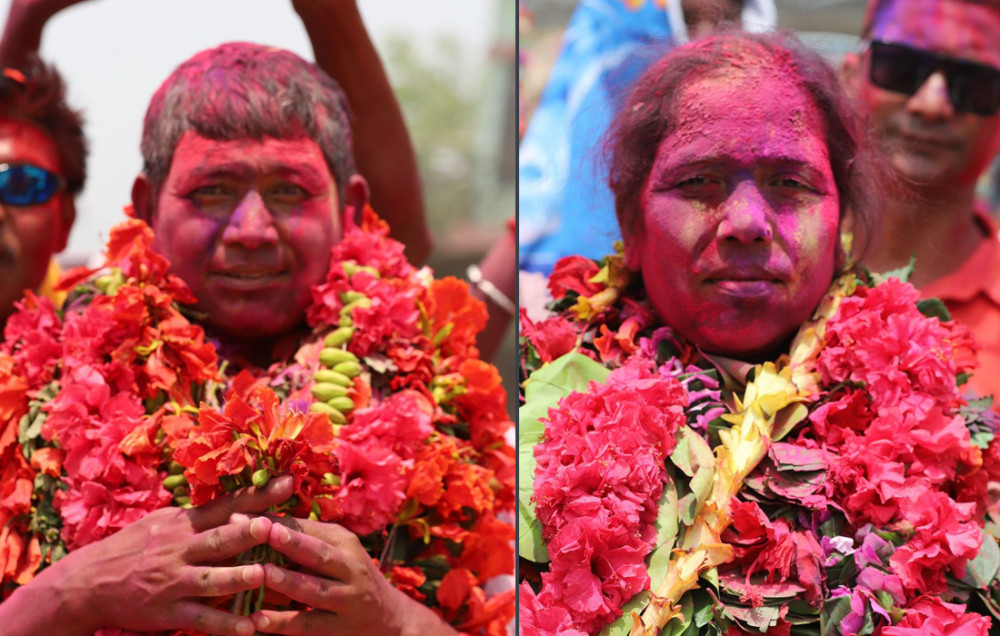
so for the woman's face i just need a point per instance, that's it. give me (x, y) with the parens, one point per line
(740, 214)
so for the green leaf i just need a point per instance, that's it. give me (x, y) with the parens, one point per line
(529, 539)
(834, 611)
(679, 626)
(934, 308)
(902, 273)
(666, 534)
(980, 571)
(787, 419)
(623, 625)
(542, 391)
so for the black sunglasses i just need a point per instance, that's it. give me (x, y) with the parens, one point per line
(24, 184)
(972, 87)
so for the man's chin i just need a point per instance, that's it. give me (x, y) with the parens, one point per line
(253, 325)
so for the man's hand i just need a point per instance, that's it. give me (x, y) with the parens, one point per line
(151, 575)
(338, 579)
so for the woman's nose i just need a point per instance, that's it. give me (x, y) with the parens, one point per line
(746, 216)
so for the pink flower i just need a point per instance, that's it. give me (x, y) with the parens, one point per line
(879, 337)
(91, 510)
(600, 473)
(31, 337)
(372, 488)
(536, 619)
(930, 616)
(946, 537)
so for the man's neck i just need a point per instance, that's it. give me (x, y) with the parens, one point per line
(938, 226)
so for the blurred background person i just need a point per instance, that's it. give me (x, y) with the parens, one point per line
(43, 165)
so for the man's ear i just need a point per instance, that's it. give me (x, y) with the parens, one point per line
(67, 217)
(355, 199)
(851, 73)
(143, 199)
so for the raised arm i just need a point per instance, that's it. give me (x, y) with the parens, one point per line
(22, 34)
(383, 149)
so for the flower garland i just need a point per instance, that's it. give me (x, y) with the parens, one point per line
(389, 423)
(841, 487)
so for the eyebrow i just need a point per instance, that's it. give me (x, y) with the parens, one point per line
(241, 169)
(699, 159)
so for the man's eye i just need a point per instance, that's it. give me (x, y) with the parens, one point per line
(212, 195)
(287, 193)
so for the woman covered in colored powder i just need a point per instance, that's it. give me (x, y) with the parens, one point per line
(728, 428)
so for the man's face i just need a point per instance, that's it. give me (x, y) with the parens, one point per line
(29, 234)
(248, 225)
(740, 215)
(926, 138)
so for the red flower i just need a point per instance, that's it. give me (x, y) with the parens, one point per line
(574, 273)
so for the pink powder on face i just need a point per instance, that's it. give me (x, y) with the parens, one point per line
(249, 225)
(741, 212)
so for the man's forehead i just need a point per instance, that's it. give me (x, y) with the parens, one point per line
(968, 29)
(196, 154)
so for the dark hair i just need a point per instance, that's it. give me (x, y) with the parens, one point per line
(248, 91)
(36, 93)
(650, 113)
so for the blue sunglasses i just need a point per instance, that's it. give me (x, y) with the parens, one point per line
(23, 184)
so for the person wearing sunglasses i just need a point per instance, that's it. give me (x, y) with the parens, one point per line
(930, 78)
(42, 167)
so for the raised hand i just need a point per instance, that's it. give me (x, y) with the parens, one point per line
(151, 575)
(338, 579)
(22, 34)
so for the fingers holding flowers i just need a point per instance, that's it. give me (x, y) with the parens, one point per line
(150, 575)
(335, 577)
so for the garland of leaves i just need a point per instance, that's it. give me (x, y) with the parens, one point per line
(841, 487)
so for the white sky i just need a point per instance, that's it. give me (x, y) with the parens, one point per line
(115, 53)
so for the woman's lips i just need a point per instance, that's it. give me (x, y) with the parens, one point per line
(746, 288)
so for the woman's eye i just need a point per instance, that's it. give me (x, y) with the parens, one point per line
(793, 183)
(695, 182)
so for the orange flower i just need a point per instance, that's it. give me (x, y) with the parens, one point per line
(48, 460)
(451, 307)
(466, 486)
(484, 403)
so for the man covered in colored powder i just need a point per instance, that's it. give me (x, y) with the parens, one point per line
(42, 167)
(249, 180)
(930, 77)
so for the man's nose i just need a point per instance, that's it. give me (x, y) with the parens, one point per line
(251, 223)
(931, 101)
(746, 216)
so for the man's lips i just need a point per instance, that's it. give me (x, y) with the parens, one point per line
(247, 279)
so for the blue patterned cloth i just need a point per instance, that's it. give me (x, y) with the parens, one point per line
(565, 206)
